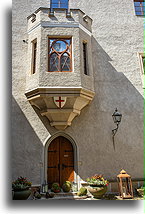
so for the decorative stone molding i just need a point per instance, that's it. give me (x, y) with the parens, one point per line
(60, 118)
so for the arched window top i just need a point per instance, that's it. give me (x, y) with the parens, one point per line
(59, 4)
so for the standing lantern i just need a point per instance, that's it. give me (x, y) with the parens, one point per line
(125, 185)
(44, 187)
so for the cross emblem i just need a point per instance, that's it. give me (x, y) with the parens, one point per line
(60, 101)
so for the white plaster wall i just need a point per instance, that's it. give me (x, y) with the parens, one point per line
(117, 37)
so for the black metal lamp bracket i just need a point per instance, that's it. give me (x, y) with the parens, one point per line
(115, 130)
(114, 133)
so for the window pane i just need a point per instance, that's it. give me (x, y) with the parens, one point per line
(64, 6)
(54, 62)
(68, 41)
(65, 62)
(64, 1)
(85, 58)
(137, 4)
(59, 54)
(138, 9)
(51, 41)
(34, 52)
(54, 5)
(59, 46)
(59, 4)
(138, 13)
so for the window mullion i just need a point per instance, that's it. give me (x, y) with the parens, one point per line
(59, 62)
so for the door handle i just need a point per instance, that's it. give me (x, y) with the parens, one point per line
(63, 166)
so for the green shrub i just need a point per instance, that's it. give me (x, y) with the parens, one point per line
(37, 195)
(21, 183)
(68, 182)
(66, 187)
(82, 191)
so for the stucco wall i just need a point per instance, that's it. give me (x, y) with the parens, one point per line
(117, 37)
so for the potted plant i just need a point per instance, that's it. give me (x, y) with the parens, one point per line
(82, 191)
(21, 188)
(55, 187)
(97, 185)
(140, 191)
(67, 186)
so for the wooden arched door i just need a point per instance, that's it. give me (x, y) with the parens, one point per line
(60, 161)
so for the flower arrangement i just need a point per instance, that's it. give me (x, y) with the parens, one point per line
(21, 183)
(97, 180)
(140, 191)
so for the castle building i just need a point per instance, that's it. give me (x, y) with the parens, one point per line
(74, 63)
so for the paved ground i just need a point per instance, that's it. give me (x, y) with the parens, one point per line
(88, 197)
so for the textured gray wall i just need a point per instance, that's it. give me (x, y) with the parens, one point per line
(117, 37)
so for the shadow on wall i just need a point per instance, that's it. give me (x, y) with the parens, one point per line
(113, 89)
(26, 151)
(111, 86)
(45, 121)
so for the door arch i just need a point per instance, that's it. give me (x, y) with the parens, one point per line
(60, 161)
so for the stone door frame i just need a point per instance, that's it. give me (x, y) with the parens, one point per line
(47, 143)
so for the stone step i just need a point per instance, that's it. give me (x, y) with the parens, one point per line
(60, 194)
(66, 198)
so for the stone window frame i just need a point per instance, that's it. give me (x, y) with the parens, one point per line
(142, 70)
(139, 6)
(141, 56)
(61, 38)
(34, 56)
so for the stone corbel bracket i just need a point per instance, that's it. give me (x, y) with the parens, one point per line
(60, 118)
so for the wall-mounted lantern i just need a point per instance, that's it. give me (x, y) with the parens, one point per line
(117, 119)
(125, 185)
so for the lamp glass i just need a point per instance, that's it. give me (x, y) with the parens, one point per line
(117, 116)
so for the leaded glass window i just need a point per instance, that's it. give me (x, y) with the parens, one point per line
(59, 4)
(139, 6)
(60, 55)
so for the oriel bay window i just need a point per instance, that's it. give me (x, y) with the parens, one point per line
(60, 55)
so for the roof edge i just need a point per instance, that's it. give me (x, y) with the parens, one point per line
(56, 9)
